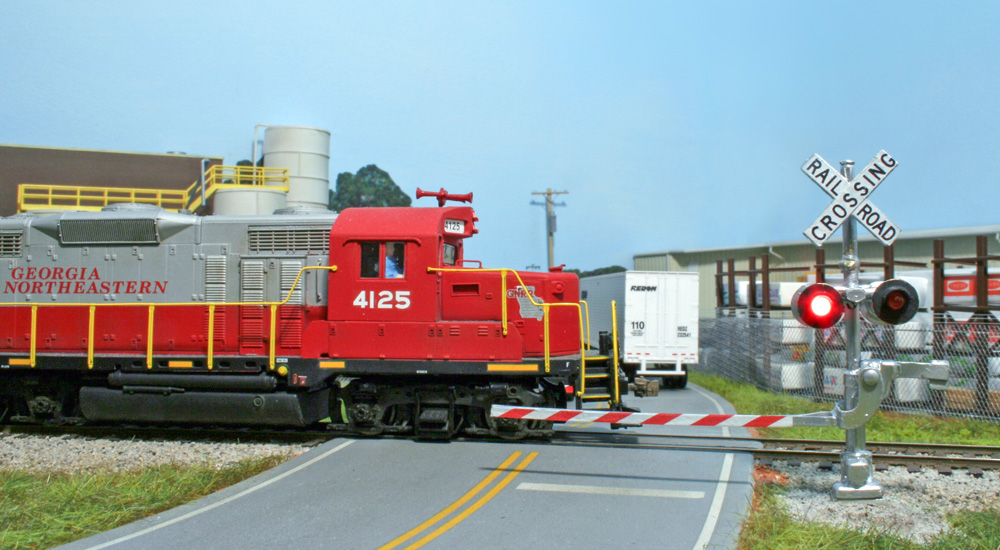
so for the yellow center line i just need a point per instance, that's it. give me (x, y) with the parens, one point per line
(475, 506)
(458, 503)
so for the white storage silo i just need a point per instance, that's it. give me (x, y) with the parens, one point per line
(306, 153)
(255, 200)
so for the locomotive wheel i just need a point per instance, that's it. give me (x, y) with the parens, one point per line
(513, 430)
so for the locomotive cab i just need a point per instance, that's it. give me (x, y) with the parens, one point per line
(402, 283)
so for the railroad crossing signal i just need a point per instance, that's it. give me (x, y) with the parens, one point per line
(850, 198)
(821, 306)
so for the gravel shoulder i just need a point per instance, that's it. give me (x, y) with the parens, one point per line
(74, 455)
(915, 505)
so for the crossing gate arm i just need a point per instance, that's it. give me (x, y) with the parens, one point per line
(870, 384)
(819, 419)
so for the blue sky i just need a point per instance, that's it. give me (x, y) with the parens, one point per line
(672, 125)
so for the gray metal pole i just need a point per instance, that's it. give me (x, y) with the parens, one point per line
(855, 462)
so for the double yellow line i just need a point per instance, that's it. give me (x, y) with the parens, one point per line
(462, 501)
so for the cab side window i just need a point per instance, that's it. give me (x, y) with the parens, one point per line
(395, 260)
(449, 254)
(369, 260)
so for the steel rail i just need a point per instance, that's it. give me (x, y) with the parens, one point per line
(906, 454)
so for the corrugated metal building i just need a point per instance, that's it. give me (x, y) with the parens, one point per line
(910, 246)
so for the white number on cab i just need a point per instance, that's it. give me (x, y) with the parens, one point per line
(383, 300)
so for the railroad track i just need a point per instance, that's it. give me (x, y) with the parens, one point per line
(943, 457)
(911, 455)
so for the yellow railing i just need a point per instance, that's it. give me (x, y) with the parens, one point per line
(543, 305)
(210, 351)
(37, 196)
(235, 177)
(614, 351)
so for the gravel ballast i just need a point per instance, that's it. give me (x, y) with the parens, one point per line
(915, 505)
(74, 454)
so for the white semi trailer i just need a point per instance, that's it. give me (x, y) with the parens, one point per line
(657, 320)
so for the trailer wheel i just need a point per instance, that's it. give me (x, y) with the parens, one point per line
(675, 382)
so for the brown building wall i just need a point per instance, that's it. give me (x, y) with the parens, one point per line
(25, 164)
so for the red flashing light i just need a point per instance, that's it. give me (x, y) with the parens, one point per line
(818, 305)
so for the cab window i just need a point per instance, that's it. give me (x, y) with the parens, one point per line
(395, 260)
(450, 254)
(369, 260)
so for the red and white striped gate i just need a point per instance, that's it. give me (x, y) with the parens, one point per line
(663, 419)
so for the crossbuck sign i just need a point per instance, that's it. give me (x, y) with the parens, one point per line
(850, 198)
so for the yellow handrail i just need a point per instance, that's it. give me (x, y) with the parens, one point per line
(614, 347)
(35, 196)
(151, 307)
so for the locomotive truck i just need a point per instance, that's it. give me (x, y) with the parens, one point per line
(371, 318)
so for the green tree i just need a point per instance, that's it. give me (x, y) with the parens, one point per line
(371, 186)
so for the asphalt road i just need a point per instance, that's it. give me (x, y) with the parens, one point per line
(382, 493)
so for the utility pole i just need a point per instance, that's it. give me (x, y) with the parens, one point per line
(550, 218)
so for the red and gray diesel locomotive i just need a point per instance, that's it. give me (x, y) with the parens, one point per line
(371, 318)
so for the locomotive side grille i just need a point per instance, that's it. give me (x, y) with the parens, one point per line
(108, 231)
(266, 240)
(252, 326)
(10, 244)
(252, 290)
(219, 329)
(289, 271)
(215, 279)
(291, 319)
(253, 281)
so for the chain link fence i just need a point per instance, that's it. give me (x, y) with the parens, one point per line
(781, 355)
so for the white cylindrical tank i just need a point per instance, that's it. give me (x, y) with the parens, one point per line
(306, 153)
(257, 201)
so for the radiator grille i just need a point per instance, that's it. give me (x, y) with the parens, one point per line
(10, 244)
(266, 240)
(107, 231)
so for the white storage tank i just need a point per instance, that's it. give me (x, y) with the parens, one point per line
(256, 201)
(306, 153)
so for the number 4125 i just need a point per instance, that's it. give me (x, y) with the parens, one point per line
(385, 299)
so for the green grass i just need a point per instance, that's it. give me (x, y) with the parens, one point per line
(771, 527)
(884, 426)
(46, 510)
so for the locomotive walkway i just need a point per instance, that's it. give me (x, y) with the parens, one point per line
(390, 493)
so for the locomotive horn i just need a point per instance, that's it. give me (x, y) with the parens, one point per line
(443, 196)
